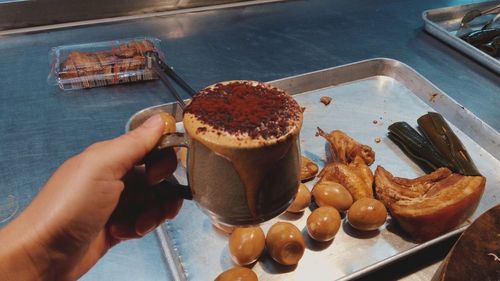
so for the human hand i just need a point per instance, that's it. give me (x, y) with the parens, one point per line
(93, 201)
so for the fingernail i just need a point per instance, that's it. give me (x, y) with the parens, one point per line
(146, 225)
(153, 121)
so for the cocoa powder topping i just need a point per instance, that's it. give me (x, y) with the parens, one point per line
(238, 108)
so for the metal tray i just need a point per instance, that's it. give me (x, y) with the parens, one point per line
(384, 90)
(444, 23)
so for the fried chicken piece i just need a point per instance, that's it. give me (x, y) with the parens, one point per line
(88, 63)
(134, 48)
(356, 177)
(68, 70)
(428, 206)
(137, 62)
(141, 47)
(123, 51)
(308, 169)
(344, 149)
(107, 61)
(105, 58)
(127, 58)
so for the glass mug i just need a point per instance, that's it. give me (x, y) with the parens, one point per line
(239, 180)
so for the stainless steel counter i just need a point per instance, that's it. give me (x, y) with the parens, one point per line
(42, 126)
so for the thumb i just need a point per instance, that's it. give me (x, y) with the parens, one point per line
(122, 153)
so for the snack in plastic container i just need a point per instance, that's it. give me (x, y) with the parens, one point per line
(103, 63)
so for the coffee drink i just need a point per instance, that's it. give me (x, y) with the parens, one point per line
(244, 156)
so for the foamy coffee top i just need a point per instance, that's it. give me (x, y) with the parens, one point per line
(242, 114)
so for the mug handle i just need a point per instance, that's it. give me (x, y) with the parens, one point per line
(167, 141)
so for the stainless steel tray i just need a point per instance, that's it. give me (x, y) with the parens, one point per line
(379, 89)
(444, 23)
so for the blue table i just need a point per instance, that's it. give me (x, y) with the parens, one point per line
(42, 126)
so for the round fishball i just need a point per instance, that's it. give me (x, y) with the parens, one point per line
(246, 244)
(301, 201)
(323, 223)
(329, 193)
(367, 214)
(169, 121)
(285, 243)
(237, 273)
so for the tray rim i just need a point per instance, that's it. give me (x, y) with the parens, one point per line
(384, 67)
(435, 29)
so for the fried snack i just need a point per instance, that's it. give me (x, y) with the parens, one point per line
(124, 63)
(428, 206)
(301, 201)
(356, 177)
(308, 169)
(344, 149)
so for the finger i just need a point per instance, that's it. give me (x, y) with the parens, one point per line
(171, 209)
(161, 166)
(169, 199)
(148, 221)
(153, 217)
(122, 153)
(122, 232)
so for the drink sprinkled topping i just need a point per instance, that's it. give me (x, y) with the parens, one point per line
(246, 108)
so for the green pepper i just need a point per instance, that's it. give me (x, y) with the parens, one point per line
(447, 143)
(417, 147)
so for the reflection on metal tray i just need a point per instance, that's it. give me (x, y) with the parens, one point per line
(384, 90)
(444, 23)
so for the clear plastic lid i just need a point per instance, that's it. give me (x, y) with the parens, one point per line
(102, 63)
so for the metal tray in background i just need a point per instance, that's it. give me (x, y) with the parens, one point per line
(444, 23)
(384, 90)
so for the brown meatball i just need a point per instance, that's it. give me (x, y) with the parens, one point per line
(367, 214)
(246, 244)
(169, 122)
(301, 201)
(285, 243)
(323, 223)
(237, 273)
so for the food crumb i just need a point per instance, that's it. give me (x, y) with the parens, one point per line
(433, 97)
(375, 121)
(377, 140)
(325, 100)
(201, 130)
(303, 109)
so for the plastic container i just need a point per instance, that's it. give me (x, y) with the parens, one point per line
(102, 63)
